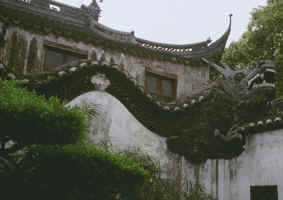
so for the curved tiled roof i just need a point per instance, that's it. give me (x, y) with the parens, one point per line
(200, 49)
(82, 18)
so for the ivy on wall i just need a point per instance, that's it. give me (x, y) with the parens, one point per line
(33, 61)
(3, 30)
(40, 25)
(22, 50)
(17, 48)
(12, 50)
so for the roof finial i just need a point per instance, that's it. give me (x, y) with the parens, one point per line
(230, 16)
(92, 10)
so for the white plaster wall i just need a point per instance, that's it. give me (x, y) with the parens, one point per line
(260, 164)
(118, 129)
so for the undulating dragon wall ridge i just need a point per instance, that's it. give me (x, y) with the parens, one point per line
(213, 123)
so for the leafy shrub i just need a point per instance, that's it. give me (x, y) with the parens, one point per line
(160, 188)
(42, 168)
(195, 192)
(262, 41)
(80, 172)
(29, 119)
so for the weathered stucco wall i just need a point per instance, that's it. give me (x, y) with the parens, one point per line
(118, 130)
(260, 164)
(189, 78)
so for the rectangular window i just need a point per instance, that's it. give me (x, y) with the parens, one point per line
(266, 192)
(163, 86)
(55, 56)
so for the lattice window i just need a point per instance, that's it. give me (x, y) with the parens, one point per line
(55, 56)
(266, 192)
(162, 86)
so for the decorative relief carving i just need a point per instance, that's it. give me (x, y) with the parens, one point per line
(100, 82)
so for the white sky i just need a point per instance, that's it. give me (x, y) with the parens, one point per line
(176, 21)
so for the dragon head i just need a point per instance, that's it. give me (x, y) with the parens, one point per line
(242, 82)
(262, 76)
(237, 97)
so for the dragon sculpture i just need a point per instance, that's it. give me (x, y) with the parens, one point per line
(212, 123)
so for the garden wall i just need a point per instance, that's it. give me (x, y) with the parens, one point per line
(261, 164)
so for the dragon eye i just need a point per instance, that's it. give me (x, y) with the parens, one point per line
(238, 77)
(269, 77)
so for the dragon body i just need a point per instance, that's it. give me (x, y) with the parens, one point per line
(208, 124)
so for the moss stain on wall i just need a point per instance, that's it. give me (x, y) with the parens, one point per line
(2, 40)
(22, 45)
(33, 60)
(17, 49)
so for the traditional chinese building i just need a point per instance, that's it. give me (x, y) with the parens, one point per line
(40, 35)
(157, 98)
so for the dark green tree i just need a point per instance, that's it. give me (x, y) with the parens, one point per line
(43, 156)
(263, 40)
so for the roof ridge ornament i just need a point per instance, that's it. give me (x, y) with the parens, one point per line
(92, 10)
(226, 71)
(230, 18)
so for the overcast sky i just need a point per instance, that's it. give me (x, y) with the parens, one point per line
(176, 21)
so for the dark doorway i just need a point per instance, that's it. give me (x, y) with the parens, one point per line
(266, 192)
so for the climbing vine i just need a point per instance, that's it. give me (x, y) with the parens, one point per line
(22, 50)
(12, 50)
(3, 31)
(33, 62)
(17, 48)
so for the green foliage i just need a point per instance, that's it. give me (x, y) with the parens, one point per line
(236, 52)
(157, 188)
(160, 188)
(71, 172)
(195, 192)
(76, 172)
(29, 119)
(263, 40)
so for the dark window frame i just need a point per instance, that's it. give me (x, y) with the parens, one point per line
(260, 191)
(161, 76)
(65, 51)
